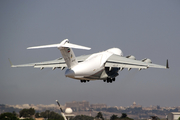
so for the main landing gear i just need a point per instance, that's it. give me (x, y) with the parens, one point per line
(109, 80)
(84, 81)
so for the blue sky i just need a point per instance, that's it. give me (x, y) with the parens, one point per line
(145, 29)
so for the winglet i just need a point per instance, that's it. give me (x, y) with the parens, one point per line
(167, 64)
(10, 62)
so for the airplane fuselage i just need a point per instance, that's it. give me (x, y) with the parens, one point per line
(93, 67)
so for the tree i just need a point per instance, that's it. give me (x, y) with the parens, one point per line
(31, 111)
(55, 116)
(6, 116)
(27, 112)
(37, 115)
(83, 117)
(154, 118)
(124, 115)
(51, 115)
(14, 113)
(113, 117)
(179, 118)
(99, 115)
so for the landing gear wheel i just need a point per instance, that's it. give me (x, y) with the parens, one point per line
(83, 81)
(109, 80)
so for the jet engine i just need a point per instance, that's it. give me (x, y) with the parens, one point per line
(147, 60)
(131, 57)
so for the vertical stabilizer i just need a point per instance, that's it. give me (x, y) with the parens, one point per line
(68, 56)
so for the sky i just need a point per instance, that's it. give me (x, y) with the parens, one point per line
(145, 29)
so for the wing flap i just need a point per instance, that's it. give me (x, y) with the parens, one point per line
(122, 65)
(50, 64)
(123, 62)
(47, 64)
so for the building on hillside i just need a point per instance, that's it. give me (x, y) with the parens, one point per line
(135, 106)
(100, 106)
(174, 116)
(69, 113)
(78, 106)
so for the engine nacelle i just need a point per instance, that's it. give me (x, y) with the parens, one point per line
(131, 57)
(116, 51)
(147, 60)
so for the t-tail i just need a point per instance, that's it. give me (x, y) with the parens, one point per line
(66, 50)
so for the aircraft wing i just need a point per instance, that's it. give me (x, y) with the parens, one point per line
(58, 63)
(123, 62)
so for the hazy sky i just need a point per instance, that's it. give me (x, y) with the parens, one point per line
(145, 29)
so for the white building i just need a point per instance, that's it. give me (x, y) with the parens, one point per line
(173, 115)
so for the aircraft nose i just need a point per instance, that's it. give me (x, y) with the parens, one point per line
(69, 73)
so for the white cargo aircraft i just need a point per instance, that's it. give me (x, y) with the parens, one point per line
(98, 66)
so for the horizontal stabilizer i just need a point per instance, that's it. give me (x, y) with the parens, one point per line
(44, 46)
(70, 45)
(64, 43)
